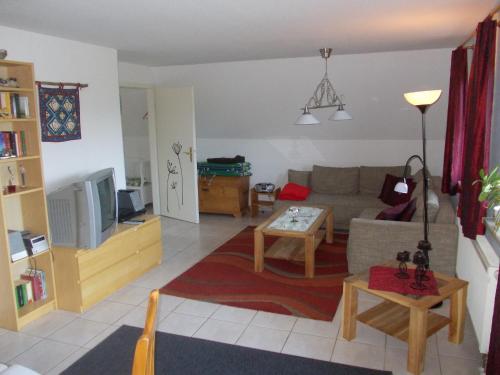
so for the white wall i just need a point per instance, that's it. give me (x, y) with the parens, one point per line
(249, 108)
(133, 74)
(59, 59)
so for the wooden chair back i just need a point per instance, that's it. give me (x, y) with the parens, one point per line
(144, 357)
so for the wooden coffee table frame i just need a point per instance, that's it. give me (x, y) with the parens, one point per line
(312, 237)
(406, 317)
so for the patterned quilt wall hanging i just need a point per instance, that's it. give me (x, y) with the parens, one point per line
(59, 113)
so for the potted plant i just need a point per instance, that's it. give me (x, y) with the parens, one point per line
(490, 192)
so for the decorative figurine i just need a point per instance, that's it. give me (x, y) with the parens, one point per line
(403, 257)
(11, 187)
(419, 260)
(293, 212)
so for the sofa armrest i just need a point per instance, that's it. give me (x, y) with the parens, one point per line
(372, 242)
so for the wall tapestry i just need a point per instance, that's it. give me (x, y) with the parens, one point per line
(59, 114)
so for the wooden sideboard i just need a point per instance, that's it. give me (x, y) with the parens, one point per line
(223, 195)
(85, 277)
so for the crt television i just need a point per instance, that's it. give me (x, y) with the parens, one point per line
(84, 214)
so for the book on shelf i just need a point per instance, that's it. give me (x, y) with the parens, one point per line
(12, 144)
(36, 284)
(14, 106)
(22, 287)
(40, 282)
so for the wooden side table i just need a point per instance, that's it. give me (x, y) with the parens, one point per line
(407, 317)
(257, 203)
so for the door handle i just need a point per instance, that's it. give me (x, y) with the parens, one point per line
(190, 153)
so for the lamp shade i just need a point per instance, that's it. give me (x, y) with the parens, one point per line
(401, 187)
(340, 115)
(417, 98)
(306, 118)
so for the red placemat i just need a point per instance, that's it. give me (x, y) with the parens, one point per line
(383, 278)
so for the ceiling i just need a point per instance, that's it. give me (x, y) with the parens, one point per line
(174, 32)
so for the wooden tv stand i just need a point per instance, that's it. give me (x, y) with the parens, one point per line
(84, 277)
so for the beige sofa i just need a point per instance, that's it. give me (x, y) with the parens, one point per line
(353, 194)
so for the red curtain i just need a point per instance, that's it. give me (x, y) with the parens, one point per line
(493, 366)
(452, 166)
(477, 127)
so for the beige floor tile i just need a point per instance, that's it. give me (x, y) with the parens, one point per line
(78, 332)
(107, 312)
(274, 321)
(167, 303)
(221, 331)
(396, 361)
(181, 324)
(13, 343)
(309, 346)
(431, 347)
(198, 308)
(468, 349)
(458, 366)
(75, 356)
(316, 327)
(131, 295)
(49, 323)
(263, 338)
(234, 314)
(356, 354)
(45, 355)
(100, 337)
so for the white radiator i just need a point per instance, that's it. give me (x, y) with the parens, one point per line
(477, 262)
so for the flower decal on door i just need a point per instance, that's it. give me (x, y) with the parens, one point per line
(172, 171)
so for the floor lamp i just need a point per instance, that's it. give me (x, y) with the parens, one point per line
(422, 100)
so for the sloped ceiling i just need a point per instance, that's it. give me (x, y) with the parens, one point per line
(176, 32)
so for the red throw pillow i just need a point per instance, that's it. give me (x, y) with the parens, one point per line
(294, 192)
(408, 212)
(391, 197)
(401, 212)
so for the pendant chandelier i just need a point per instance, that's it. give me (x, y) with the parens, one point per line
(324, 96)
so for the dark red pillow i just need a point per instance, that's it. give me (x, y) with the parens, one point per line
(391, 197)
(401, 212)
(294, 192)
(408, 212)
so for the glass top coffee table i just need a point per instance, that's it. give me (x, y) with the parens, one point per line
(298, 227)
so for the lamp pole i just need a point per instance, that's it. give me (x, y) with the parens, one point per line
(424, 244)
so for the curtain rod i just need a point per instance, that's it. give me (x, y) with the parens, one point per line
(49, 83)
(473, 33)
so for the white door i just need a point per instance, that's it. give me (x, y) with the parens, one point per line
(176, 144)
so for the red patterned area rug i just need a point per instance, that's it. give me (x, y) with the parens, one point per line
(227, 276)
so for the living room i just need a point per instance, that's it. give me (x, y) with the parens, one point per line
(248, 93)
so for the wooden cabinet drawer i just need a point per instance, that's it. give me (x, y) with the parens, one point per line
(110, 252)
(149, 234)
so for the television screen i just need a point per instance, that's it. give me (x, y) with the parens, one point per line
(106, 191)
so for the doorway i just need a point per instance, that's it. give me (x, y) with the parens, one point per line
(159, 139)
(136, 142)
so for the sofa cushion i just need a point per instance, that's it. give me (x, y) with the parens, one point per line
(371, 179)
(432, 207)
(294, 192)
(331, 180)
(300, 177)
(391, 197)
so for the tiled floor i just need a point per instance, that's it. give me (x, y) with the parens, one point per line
(53, 342)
